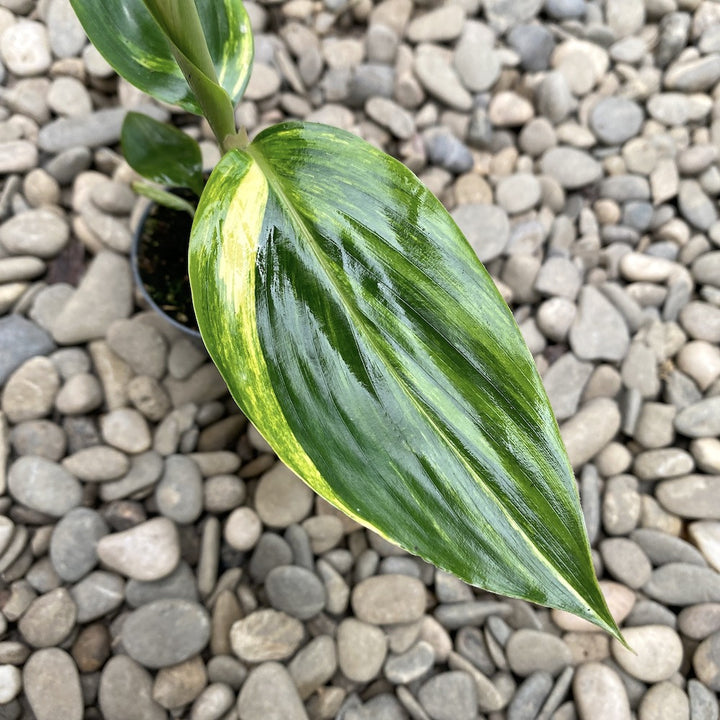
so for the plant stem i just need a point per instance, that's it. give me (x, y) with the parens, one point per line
(180, 22)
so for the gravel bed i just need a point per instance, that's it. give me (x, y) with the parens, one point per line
(157, 561)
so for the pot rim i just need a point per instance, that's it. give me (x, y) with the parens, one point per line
(138, 278)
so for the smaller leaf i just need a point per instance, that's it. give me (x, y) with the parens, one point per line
(163, 197)
(162, 153)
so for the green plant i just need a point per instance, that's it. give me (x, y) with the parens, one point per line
(353, 323)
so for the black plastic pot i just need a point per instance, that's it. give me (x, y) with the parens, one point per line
(158, 257)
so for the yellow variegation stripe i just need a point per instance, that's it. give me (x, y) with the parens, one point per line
(236, 237)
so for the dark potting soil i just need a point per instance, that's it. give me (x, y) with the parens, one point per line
(162, 258)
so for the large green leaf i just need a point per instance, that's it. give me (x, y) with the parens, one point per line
(130, 39)
(161, 152)
(356, 328)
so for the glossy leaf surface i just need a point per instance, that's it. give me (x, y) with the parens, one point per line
(356, 328)
(161, 152)
(129, 38)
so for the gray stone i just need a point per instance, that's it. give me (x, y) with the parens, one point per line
(387, 599)
(65, 33)
(17, 156)
(390, 115)
(104, 295)
(368, 80)
(97, 594)
(15, 269)
(530, 651)
(518, 193)
(701, 361)
(145, 470)
(439, 25)
(639, 370)
(80, 395)
(140, 345)
(10, 683)
(700, 420)
(127, 430)
(42, 233)
(440, 78)
(534, 44)
(703, 702)
(180, 684)
(662, 548)
(564, 382)
(44, 486)
(295, 591)
(706, 268)
(30, 391)
(282, 498)
(692, 496)
(590, 430)
(100, 128)
(271, 551)
(486, 228)
(572, 168)
(266, 635)
(683, 585)
(25, 49)
(313, 666)
(126, 691)
(52, 685)
(179, 494)
(476, 62)
(165, 632)
(361, 649)
(459, 614)
(97, 464)
(654, 427)
(599, 331)
(560, 277)
(215, 700)
(73, 543)
(449, 696)
(446, 151)
(410, 665)
(565, 9)
(243, 529)
(49, 619)
(695, 206)
(706, 535)
(621, 505)
(662, 464)
(693, 75)
(283, 703)
(149, 397)
(706, 452)
(20, 339)
(179, 584)
(677, 108)
(509, 109)
(554, 97)
(530, 696)
(503, 14)
(656, 655)
(39, 437)
(599, 693)
(625, 561)
(701, 321)
(127, 552)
